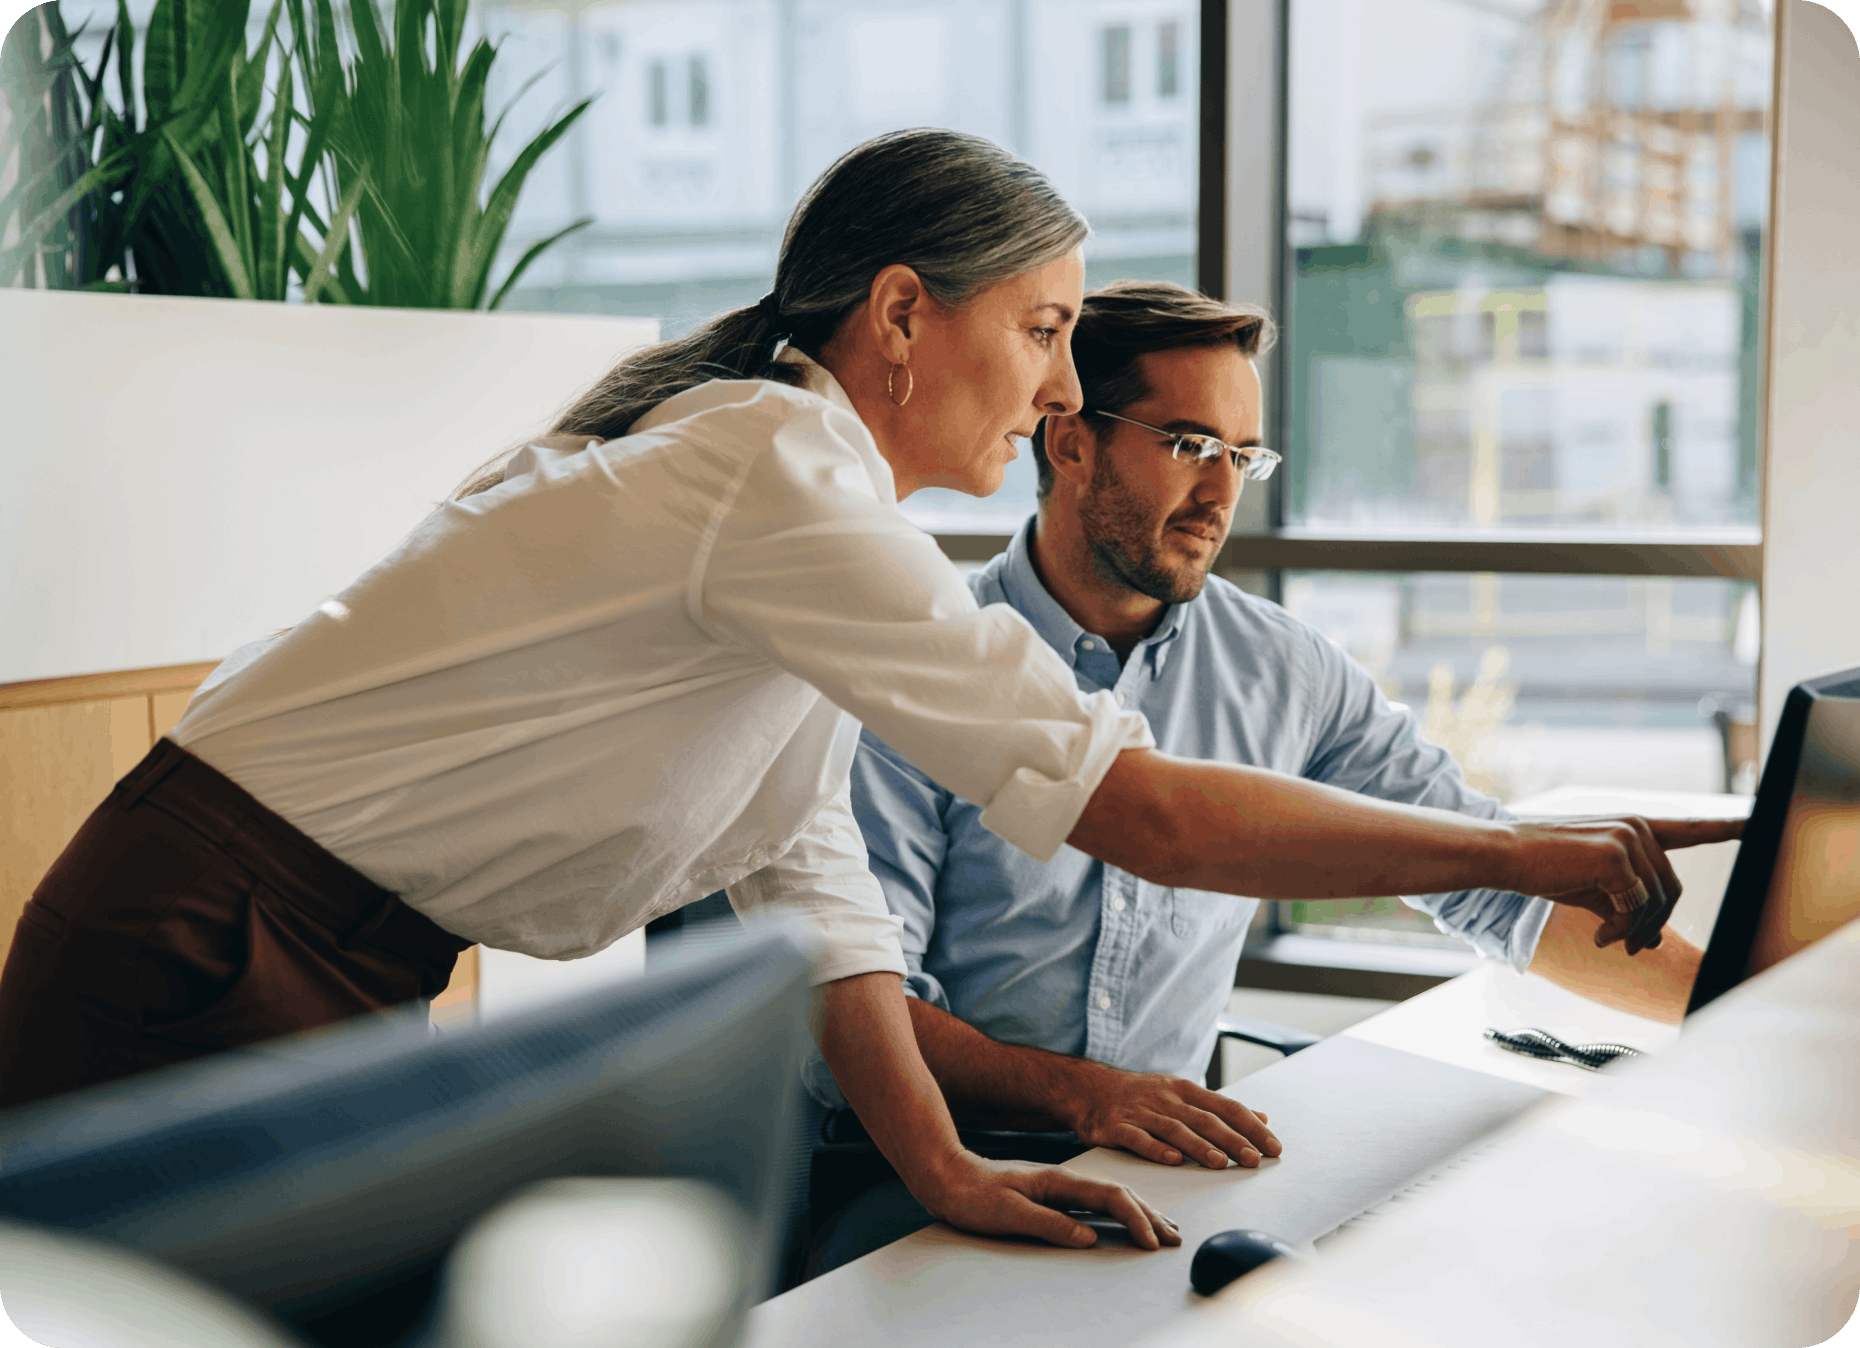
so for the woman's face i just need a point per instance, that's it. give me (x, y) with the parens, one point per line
(982, 376)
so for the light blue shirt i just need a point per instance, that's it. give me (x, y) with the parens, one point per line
(1084, 959)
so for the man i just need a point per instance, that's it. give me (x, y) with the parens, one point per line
(1073, 996)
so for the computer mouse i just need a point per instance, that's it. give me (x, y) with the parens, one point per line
(1227, 1255)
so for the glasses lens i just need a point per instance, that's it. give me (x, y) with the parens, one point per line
(1259, 464)
(1199, 448)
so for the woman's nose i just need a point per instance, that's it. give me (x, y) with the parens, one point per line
(1061, 394)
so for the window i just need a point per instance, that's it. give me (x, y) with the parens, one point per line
(658, 101)
(1168, 59)
(700, 92)
(1522, 258)
(1116, 85)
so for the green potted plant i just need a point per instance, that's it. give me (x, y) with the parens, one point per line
(200, 187)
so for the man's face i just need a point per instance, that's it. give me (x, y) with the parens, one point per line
(1154, 523)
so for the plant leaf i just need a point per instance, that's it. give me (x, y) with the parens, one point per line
(163, 46)
(32, 232)
(535, 251)
(125, 64)
(334, 238)
(237, 203)
(225, 245)
(273, 258)
(503, 200)
(251, 86)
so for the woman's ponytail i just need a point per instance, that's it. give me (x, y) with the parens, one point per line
(957, 209)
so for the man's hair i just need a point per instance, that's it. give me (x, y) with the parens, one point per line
(1130, 319)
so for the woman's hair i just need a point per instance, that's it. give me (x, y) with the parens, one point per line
(958, 210)
(1130, 319)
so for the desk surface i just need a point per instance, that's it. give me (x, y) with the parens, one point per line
(1708, 1198)
(942, 1286)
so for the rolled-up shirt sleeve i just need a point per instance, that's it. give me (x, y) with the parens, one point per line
(812, 569)
(1365, 743)
(823, 877)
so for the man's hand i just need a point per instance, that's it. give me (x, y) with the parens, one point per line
(1017, 1198)
(1617, 865)
(1165, 1118)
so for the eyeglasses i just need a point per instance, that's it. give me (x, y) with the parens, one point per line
(1254, 463)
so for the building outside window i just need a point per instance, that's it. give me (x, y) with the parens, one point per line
(1522, 264)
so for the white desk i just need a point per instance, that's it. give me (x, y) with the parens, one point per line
(941, 1286)
(1708, 1198)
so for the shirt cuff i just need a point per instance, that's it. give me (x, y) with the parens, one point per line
(1497, 924)
(1036, 813)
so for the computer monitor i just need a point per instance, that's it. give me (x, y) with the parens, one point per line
(325, 1176)
(1797, 875)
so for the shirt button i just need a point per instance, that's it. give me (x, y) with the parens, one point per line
(1089, 644)
(1117, 904)
(1120, 699)
(1104, 1003)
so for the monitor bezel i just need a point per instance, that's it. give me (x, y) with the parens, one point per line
(1726, 960)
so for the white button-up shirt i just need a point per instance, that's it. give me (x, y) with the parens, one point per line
(628, 676)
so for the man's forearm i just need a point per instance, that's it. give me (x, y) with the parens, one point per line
(993, 1084)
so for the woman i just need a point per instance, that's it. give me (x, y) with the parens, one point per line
(619, 671)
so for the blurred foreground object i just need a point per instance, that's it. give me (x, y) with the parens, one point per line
(69, 1291)
(586, 1263)
(326, 1176)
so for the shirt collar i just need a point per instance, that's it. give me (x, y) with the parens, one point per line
(1022, 586)
(816, 378)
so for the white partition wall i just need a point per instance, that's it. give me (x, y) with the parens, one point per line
(1811, 527)
(184, 475)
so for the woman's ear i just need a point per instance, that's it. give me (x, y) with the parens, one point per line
(895, 310)
(1071, 447)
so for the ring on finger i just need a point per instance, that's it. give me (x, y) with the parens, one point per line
(1630, 899)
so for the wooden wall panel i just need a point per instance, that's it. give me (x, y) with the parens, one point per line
(65, 742)
(56, 763)
(165, 711)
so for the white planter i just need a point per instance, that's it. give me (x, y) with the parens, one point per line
(180, 476)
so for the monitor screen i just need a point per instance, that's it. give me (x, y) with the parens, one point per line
(1797, 876)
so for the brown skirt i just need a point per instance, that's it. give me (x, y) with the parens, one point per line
(186, 918)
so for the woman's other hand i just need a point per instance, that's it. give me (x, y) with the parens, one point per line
(1018, 1198)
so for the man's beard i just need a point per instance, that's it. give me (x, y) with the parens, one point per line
(1125, 547)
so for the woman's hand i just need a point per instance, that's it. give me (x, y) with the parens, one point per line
(1615, 867)
(1018, 1198)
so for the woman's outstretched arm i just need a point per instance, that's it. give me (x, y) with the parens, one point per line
(1244, 830)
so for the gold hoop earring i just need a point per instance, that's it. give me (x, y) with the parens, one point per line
(891, 380)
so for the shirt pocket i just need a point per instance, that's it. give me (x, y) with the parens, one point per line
(1194, 913)
(1184, 913)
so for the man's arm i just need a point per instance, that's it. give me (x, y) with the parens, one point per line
(1657, 985)
(1157, 1116)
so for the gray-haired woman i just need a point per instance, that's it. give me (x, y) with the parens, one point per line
(621, 670)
